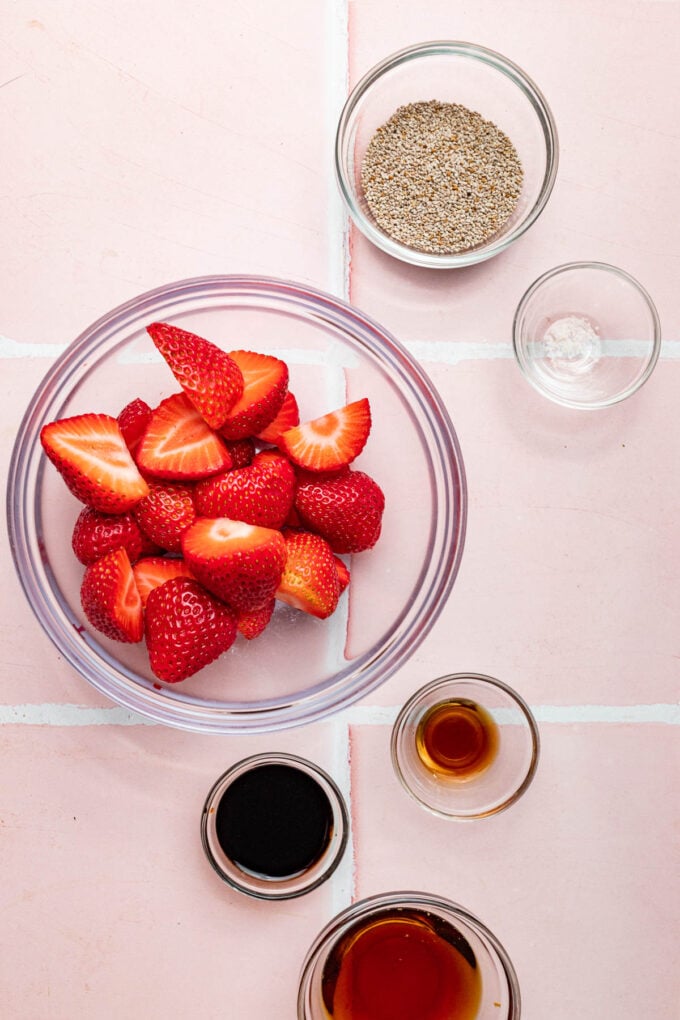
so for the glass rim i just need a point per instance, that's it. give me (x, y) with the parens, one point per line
(492, 59)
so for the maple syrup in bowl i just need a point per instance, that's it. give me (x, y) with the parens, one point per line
(403, 955)
(465, 746)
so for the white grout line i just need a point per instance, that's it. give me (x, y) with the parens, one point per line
(344, 878)
(337, 86)
(67, 715)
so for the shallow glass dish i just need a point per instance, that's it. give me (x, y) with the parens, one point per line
(301, 668)
(586, 335)
(453, 72)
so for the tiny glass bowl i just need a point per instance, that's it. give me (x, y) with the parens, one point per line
(586, 335)
(500, 993)
(265, 887)
(453, 72)
(481, 783)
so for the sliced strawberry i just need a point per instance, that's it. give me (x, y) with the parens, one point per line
(240, 563)
(346, 509)
(253, 623)
(153, 571)
(310, 576)
(178, 444)
(133, 420)
(165, 513)
(287, 418)
(210, 378)
(343, 573)
(95, 534)
(241, 451)
(110, 599)
(261, 493)
(329, 442)
(186, 629)
(265, 384)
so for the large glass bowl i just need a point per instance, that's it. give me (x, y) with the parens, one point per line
(451, 72)
(301, 668)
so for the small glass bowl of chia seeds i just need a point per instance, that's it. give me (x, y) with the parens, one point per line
(445, 154)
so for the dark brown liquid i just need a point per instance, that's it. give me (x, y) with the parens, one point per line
(402, 965)
(457, 739)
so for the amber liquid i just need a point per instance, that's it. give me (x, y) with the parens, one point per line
(457, 738)
(402, 965)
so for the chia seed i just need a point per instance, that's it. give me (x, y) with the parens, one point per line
(440, 178)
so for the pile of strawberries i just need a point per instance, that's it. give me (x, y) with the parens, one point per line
(202, 512)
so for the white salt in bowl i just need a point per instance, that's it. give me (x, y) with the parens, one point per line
(586, 335)
(450, 72)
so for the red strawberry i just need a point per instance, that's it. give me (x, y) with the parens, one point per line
(241, 451)
(343, 573)
(260, 494)
(110, 598)
(178, 444)
(95, 534)
(156, 570)
(238, 562)
(253, 623)
(133, 420)
(165, 513)
(310, 577)
(186, 629)
(90, 454)
(287, 418)
(346, 509)
(329, 442)
(209, 377)
(265, 383)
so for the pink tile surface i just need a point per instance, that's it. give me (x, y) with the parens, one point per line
(148, 150)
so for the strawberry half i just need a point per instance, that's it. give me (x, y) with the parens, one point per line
(310, 576)
(210, 378)
(91, 455)
(95, 534)
(133, 420)
(343, 573)
(186, 629)
(178, 444)
(110, 599)
(265, 384)
(331, 441)
(165, 513)
(346, 509)
(240, 563)
(261, 493)
(287, 418)
(241, 451)
(152, 571)
(253, 623)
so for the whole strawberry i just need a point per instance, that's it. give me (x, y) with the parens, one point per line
(310, 580)
(261, 493)
(95, 534)
(186, 629)
(165, 513)
(110, 599)
(346, 509)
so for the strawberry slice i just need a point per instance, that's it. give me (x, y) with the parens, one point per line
(240, 563)
(253, 623)
(133, 420)
(165, 513)
(261, 493)
(186, 629)
(95, 534)
(346, 509)
(110, 599)
(331, 441)
(90, 454)
(178, 444)
(210, 378)
(310, 579)
(152, 571)
(343, 573)
(265, 384)
(287, 418)
(241, 451)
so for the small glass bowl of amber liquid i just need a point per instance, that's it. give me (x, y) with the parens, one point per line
(465, 746)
